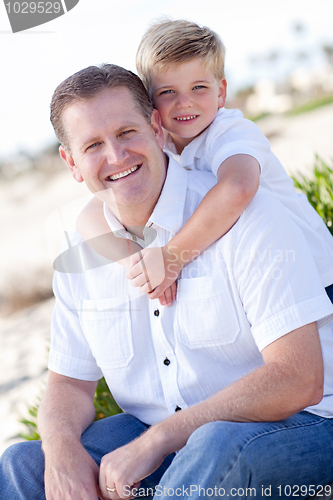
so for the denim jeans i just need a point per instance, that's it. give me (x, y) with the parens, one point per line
(329, 291)
(278, 460)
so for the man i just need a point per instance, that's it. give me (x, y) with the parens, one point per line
(221, 377)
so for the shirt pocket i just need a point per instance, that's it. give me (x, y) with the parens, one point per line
(206, 315)
(107, 327)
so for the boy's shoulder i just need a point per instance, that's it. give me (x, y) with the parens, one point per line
(228, 118)
(229, 125)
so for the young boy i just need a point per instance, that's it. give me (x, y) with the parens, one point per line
(182, 67)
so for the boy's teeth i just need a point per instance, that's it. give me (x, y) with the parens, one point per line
(186, 118)
(123, 174)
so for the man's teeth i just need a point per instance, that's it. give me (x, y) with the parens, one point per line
(186, 118)
(123, 174)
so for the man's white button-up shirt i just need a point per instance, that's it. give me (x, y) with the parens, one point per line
(252, 286)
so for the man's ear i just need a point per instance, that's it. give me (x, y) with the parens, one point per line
(156, 126)
(222, 96)
(69, 160)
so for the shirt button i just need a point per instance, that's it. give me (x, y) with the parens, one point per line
(167, 362)
(178, 408)
(156, 312)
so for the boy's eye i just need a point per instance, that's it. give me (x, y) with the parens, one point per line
(199, 87)
(169, 91)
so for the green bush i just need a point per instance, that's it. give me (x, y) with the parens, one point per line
(105, 405)
(319, 190)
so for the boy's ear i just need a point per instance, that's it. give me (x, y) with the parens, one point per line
(156, 125)
(222, 96)
(69, 160)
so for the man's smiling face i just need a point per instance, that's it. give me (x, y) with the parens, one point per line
(113, 146)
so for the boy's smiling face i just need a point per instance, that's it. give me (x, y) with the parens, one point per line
(187, 97)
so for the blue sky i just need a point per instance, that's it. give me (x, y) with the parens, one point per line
(35, 61)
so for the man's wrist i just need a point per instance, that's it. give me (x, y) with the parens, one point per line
(165, 436)
(59, 440)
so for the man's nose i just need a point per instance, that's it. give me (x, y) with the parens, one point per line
(116, 152)
(184, 101)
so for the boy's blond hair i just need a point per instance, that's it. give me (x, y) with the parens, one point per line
(168, 42)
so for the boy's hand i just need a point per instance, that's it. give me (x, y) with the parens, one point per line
(168, 296)
(155, 271)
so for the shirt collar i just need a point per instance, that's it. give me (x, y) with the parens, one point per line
(169, 209)
(194, 149)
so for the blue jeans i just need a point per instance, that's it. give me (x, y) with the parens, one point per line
(329, 291)
(221, 459)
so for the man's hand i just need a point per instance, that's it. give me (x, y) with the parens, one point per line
(71, 473)
(124, 468)
(155, 271)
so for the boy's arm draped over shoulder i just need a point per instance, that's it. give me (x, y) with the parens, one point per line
(238, 181)
(95, 231)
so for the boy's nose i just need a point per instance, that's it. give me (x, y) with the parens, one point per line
(184, 101)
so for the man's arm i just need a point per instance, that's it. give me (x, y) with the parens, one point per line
(67, 409)
(290, 380)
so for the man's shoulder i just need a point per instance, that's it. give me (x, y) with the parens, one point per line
(68, 259)
(265, 213)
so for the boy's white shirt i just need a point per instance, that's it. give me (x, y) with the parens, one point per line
(230, 134)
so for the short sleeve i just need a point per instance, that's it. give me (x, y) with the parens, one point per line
(70, 354)
(277, 280)
(231, 134)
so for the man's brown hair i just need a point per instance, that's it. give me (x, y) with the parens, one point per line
(86, 84)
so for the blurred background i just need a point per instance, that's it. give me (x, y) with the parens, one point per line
(279, 68)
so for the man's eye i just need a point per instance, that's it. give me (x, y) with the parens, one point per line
(126, 132)
(93, 145)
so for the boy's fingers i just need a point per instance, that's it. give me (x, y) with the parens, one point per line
(135, 258)
(168, 296)
(139, 280)
(146, 288)
(173, 288)
(134, 270)
(158, 292)
(162, 299)
(154, 294)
